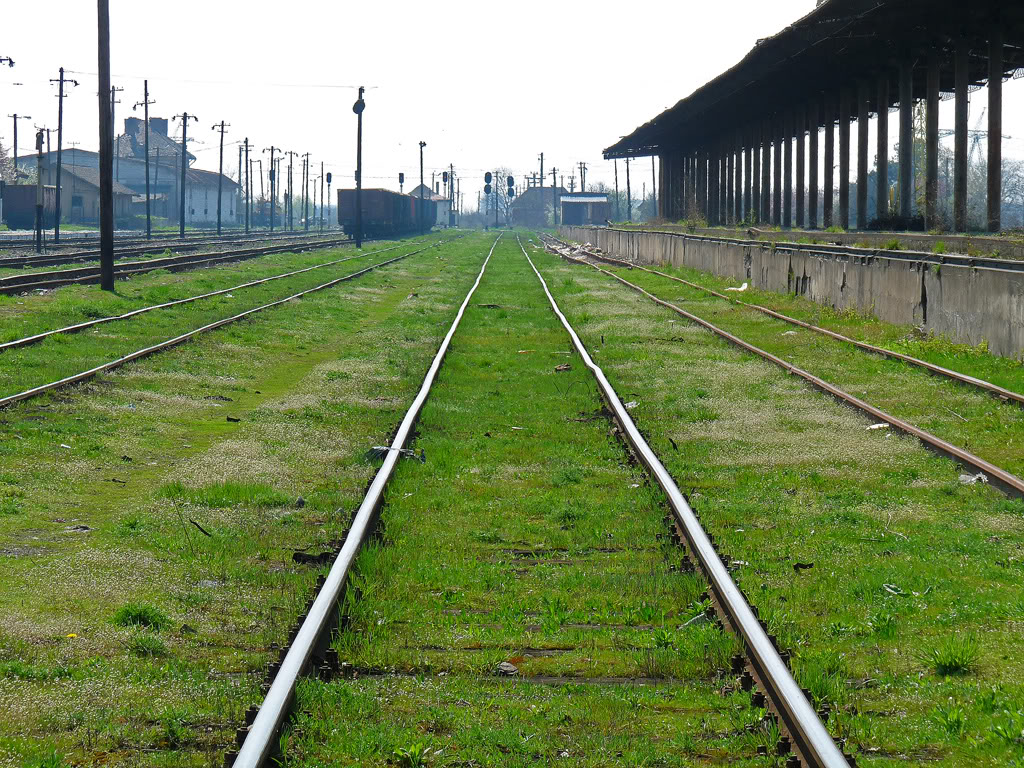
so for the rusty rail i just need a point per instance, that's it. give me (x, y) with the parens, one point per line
(105, 367)
(35, 338)
(807, 734)
(993, 389)
(1005, 481)
(260, 737)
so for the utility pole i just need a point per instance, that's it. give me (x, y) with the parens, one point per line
(305, 192)
(422, 218)
(113, 122)
(617, 211)
(185, 117)
(145, 103)
(220, 178)
(542, 170)
(629, 196)
(248, 185)
(289, 188)
(654, 195)
(321, 197)
(17, 117)
(451, 192)
(60, 138)
(583, 177)
(39, 191)
(263, 194)
(358, 108)
(273, 195)
(554, 196)
(106, 148)
(241, 192)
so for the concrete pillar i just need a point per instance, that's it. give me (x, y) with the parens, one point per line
(662, 205)
(766, 171)
(931, 142)
(702, 184)
(995, 128)
(828, 187)
(862, 155)
(845, 97)
(906, 140)
(777, 130)
(730, 189)
(755, 174)
(813, 122)
(882, 149)
(787, 169)
(801, 174)
(723, 183)
(713, 186)
(960, 138)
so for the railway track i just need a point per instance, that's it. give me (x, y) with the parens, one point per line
(86, 375)
(123, 270)
(803, 730)
(1006, 481)
(128, 248)
(1001, 393)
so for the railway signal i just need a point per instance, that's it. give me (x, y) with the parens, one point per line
(358, 108)
(401, 182)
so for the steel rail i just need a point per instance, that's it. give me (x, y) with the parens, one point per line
(1007, 482)
(35, 338)
(86, 275)
(809, 737)
(962, 378)
(259, 740)
(951, 260)
(145, 352)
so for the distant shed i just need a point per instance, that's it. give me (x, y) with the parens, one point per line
(581, 208)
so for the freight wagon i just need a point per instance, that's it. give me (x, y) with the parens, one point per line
(385, 213)
(20, 205)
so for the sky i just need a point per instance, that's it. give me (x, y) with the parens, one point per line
(485, 85)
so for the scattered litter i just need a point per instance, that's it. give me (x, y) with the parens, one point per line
(563, 367)
(219, 398)
(738, 290)
(525, 351)
(203, 530)
(187, 630)
(519, 428)
(798, 566)
(209, 584)
(228, 296)
(635, 485)
(489, 306)
(381, 451)
(632, 404)
(115, 480)
(700, 618)
(892, 589)
(789, 333)
(972, 479)
(674, 445)
(65, 445)
(880, 425)
(126, 459)
(507, 670)
(78, 529)
(233, 420)
(300, 503)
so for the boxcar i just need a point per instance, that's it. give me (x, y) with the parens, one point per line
(20, 205)
(385, 213)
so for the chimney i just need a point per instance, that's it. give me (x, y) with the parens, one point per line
(158, 125)
(132, 126)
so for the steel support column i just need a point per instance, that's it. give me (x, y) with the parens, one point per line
(882, 150)
(828, 188)
(755, 174)
(931, 140)
(845, 97)
(787, 169)
(960, 138)
(906, 158)
(730, 189)
(995, 128)
(777, 131)
(813, 123)
(748, 154)
(723, 183)
(801, 171)
(766, 171)
(862, 155)
(738, 192)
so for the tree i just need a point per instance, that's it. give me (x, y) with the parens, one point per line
(6, 166)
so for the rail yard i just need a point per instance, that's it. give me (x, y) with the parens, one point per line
(309, 461)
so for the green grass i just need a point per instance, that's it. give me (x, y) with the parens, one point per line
(141, 615)
(312, 384)
(908, 563)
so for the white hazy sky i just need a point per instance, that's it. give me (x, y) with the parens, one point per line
(484, 84)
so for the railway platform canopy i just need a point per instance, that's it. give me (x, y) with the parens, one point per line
(727, 150)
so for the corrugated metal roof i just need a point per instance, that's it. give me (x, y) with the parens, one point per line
(587, 198)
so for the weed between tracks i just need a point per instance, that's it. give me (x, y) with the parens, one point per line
(898, 588)
(130, 636)
(525, 546)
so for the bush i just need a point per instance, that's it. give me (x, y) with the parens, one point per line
(141, 615)
(956, 655)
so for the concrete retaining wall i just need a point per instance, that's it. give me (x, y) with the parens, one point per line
(968, 304)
